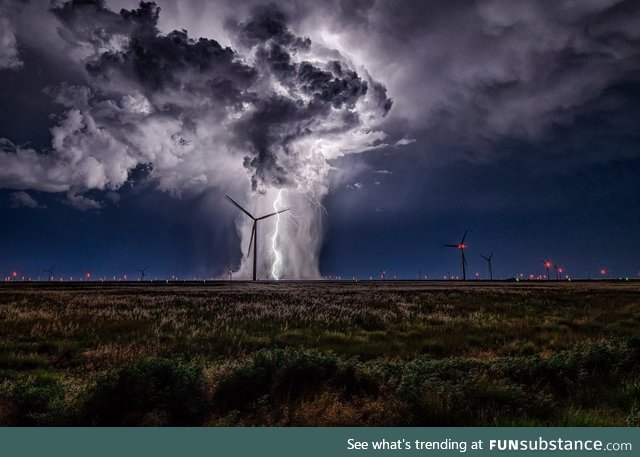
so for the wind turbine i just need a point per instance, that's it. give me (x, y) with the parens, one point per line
(142, 273)
(488, 259)
(462, 247)
(555, 267)
(547, 265)
(50, 271)
(230, 272)
(254, 232)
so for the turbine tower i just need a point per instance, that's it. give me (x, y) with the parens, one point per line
(50, 271)
(462, 247)
(488, 259)
(230, 271)
(254, 232)
(142, 273)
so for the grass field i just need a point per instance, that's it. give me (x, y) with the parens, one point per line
(320, 353)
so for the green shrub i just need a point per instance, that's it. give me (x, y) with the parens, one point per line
(156, 391)
(582, 374)
(281, 374)
(466, 392)
(633, 419)
(39, 401)
(355, 378)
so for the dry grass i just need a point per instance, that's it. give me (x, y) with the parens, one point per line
(81, 332)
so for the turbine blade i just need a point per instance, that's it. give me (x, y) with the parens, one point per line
(451, 245)
(463, 237)
(240, 207)
(491, 256)
(253, 231)
(485, 258)
(272, 214)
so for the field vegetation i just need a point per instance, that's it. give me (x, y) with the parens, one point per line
(320, 353)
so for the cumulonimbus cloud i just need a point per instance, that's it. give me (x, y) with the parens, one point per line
(183, 106)
(269, 113)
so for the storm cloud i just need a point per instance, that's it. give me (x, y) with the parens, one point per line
(266, 99)
(194, 114)
(492, 69)
(166, 99)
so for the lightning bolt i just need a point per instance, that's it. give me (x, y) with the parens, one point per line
(275, 249)
(315, 201)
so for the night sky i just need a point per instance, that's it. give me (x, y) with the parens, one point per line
(388, 127)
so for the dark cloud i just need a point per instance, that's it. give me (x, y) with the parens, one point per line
(176, 62)
(157, 62)
(142, 82)
(268, 23)
(89, 21)
(482, 71)
(279, 121)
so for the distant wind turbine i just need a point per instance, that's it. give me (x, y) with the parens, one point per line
(462, 247)
(488, 259)
(50, 271)
(230, 272)
(547, 265)
(254, 232)
(142, 273)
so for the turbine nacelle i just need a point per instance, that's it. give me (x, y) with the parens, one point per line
(547, 264)
(462, 247)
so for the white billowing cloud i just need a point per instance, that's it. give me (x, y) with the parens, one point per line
(355, 186)
(405, 141)
(9, 57)
(22, 198)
